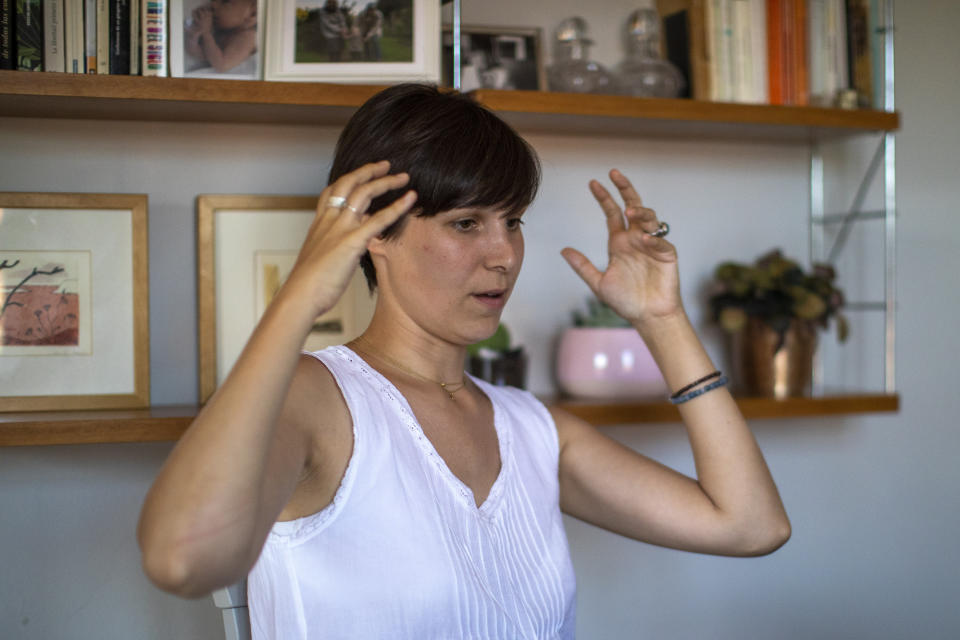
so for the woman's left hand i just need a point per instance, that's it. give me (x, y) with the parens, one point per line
(640, 282)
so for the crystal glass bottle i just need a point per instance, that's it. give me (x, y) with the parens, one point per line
(572, 69)
(643, 73)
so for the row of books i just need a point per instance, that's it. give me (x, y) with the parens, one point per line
(84, 36)
(784, 52)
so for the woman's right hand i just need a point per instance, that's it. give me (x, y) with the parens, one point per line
(338, 236)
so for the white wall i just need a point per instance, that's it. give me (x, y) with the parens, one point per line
(872, 497)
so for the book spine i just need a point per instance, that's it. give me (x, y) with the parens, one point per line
(858, 51)
(742, 51)
(90, 35)
(877, 53)
(134, 44)
(700, 55)
(120, 37)
(6, 34)
(73, 36)
(758, 41)
(819, 52)
(54, 58)
(154, 40)
(787, 51)
(29, 35)
(103, 36)
(801, 73)
(774, 52)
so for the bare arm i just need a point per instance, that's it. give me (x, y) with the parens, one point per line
(236, 49)
(732, 507)
(208, 513)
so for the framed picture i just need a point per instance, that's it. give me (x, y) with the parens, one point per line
(235, 52)
(246, 247)
(496, 58)
(346, 41)
(74, 305)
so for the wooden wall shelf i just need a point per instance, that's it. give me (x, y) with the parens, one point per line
(161, 424)
(106, 97)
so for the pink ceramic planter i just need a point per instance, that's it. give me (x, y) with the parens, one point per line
(607, 363)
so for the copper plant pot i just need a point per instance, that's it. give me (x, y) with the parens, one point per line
(761, 369)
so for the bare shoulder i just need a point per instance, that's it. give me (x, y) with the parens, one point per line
(316, 410)
(570, 428)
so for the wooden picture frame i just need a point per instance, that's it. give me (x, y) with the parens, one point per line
(74, 301)
(496, 58)
(246, 245)
(407, 51)
(185, 63)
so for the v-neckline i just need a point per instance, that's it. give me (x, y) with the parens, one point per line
(489, 504)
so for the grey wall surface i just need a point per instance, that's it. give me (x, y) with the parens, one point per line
(871, 497)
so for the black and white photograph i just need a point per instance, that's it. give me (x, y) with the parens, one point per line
(496, 58)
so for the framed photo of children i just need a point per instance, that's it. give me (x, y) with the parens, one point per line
(217, 39)
(496, 58)
(74, 310)
(370, 41)
(246, 247)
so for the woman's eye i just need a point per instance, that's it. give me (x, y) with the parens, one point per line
(514, 224)
(464, 225)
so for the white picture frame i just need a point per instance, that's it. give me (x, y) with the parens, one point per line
(185, 65)
(417, 61)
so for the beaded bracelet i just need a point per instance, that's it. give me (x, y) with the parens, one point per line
(709, 376)
(698, 392)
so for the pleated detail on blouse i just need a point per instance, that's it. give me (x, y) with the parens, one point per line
(403, 551)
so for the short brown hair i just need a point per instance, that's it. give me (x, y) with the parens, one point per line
(457, 152)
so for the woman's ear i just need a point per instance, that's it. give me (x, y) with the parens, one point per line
(375, 246)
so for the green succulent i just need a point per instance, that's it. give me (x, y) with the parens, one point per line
(599, 314)
(776, 289)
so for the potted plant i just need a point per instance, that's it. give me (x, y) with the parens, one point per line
(603, 357)
(771, 311)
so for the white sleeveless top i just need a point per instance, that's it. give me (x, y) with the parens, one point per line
(403, 551)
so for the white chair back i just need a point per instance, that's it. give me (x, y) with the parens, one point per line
(232, 602)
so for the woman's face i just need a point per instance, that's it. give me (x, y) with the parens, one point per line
(451, 274)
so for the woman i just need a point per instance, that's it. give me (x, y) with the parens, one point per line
(377, 491)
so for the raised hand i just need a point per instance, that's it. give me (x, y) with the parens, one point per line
(640, 282)
(339, 234)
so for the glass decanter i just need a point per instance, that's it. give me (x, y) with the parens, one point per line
(643, 73)
(572, 69)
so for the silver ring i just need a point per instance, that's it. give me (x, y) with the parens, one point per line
(662, 231)
(352, 208)
(336, 202)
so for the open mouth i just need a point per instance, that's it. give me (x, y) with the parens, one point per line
(495, 297)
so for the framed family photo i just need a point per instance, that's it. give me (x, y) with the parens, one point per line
(222, 39)
(74, 304)
(246, 247)
(496, 58)
(381, 41)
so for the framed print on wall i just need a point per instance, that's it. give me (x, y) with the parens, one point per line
(496, 58)
(74, 304)
(237, 29)
(246, 247)
(353, 42)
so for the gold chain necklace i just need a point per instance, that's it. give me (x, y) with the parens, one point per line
(449, 388)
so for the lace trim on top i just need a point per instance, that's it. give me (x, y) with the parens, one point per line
(299, 530)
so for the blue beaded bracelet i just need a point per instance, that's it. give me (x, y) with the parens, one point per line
(699, 392)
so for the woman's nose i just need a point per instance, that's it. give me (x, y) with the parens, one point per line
(505, 250)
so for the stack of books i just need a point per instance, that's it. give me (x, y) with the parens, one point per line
(84, 36)
(783, 52)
